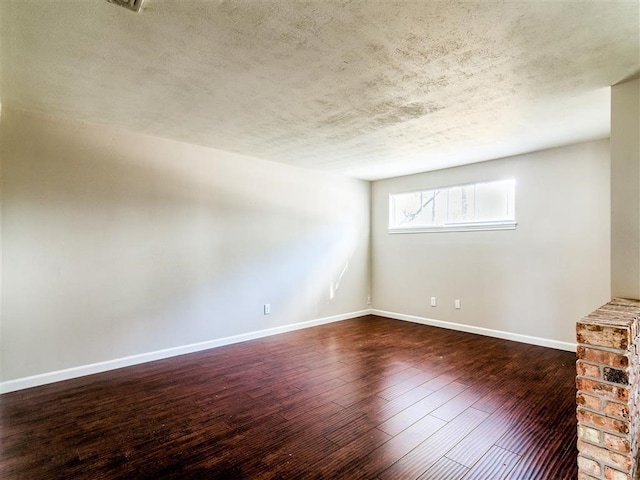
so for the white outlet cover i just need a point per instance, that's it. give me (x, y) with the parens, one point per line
(267, 308)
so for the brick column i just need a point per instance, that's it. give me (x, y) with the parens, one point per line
(607, 383)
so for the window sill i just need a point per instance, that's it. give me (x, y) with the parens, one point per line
(458, 227)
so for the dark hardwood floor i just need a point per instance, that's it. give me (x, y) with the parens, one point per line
(366, 398)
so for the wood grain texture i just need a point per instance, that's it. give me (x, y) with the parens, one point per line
(365, 398)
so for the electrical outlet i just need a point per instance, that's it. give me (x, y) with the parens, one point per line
(267, 308)
(369, 300)
(433, 301)
(457, 304)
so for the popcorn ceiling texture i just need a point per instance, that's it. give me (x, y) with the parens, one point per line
(364, 88)
(608, 384)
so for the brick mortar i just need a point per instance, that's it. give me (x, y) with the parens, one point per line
(608, 410)
(600, 364)
(600, 412)
(602, 441)
(606, 382)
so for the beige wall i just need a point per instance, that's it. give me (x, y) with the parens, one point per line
(117, 244)
(537, 280)
(625, 190)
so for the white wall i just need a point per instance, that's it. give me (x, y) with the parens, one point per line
(537, 280)
(625, 190)
(117, 244)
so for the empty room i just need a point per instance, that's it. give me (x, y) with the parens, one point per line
(324, 239)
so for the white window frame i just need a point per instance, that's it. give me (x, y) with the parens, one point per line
(452, 227)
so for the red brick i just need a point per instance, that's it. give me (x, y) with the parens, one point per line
(587, 369)
(589, 434)
(608, 382)
(617, 410)
(619, 444)
(605, 389)
(611, 474)
(615, 375)
(610, 336)
(585, 476)
(588, 401)
(596, 420)
(623, 462)
(589, 466)
(602, 356)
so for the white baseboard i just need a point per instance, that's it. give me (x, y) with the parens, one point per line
(69, 373)
(51, 377)
(516, 337)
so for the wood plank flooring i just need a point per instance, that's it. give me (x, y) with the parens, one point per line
(368, 398)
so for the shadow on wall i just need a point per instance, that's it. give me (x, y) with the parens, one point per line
(122, 244)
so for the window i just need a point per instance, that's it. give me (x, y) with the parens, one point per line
(474, 206)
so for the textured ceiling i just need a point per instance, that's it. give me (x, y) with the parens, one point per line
(370, 89)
